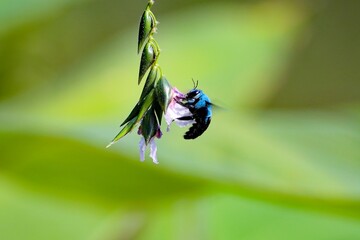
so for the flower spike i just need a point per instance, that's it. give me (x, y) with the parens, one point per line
(158, 98)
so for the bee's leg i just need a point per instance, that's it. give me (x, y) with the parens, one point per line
(186, 118)
(182, 103)
(186, 104)
(190, 101)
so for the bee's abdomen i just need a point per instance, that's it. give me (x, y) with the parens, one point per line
(202, 119)
(196, 130)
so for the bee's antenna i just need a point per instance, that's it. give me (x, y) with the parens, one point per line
(195, 84)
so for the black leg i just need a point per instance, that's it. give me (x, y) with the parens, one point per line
(186, 118)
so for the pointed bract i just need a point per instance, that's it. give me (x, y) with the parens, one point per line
(137, 108)
(132, 114)
(125, 130)
(146, 105)
(131, 124)
(158, 111)
(163, 93)
(148, 57)
(147, 25)
(149, 125)
(152, 77)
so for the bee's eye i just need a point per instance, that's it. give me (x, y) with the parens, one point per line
(192, 94)
(196, 94)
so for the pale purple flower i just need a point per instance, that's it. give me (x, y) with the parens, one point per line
(175, 110)
(142, 148)
(153, 147)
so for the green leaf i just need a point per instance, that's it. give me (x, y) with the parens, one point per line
(148, 57)
(147, 25)
(163, 93)
(227, 216)
(20, 208)
(71, 169)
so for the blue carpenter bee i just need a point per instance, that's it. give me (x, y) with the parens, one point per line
(200, 107)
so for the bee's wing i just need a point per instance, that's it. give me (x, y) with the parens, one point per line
(216, 107)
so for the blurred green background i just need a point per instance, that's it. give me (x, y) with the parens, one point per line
(281, 162)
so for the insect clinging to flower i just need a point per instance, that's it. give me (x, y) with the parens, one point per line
(200, 108)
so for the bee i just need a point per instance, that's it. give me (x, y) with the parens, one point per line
(200, 107)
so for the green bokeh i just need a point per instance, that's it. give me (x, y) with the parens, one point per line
(280, 161)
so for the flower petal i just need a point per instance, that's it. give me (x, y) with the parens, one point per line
(176, 110)
(142, 148)
(149, 125)
(153, 150)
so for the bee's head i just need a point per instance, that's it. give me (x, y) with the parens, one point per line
(194, 93)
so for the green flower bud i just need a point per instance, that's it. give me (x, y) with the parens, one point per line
(148, 57)
(147, 25)
(149, 125)
(163, 93)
